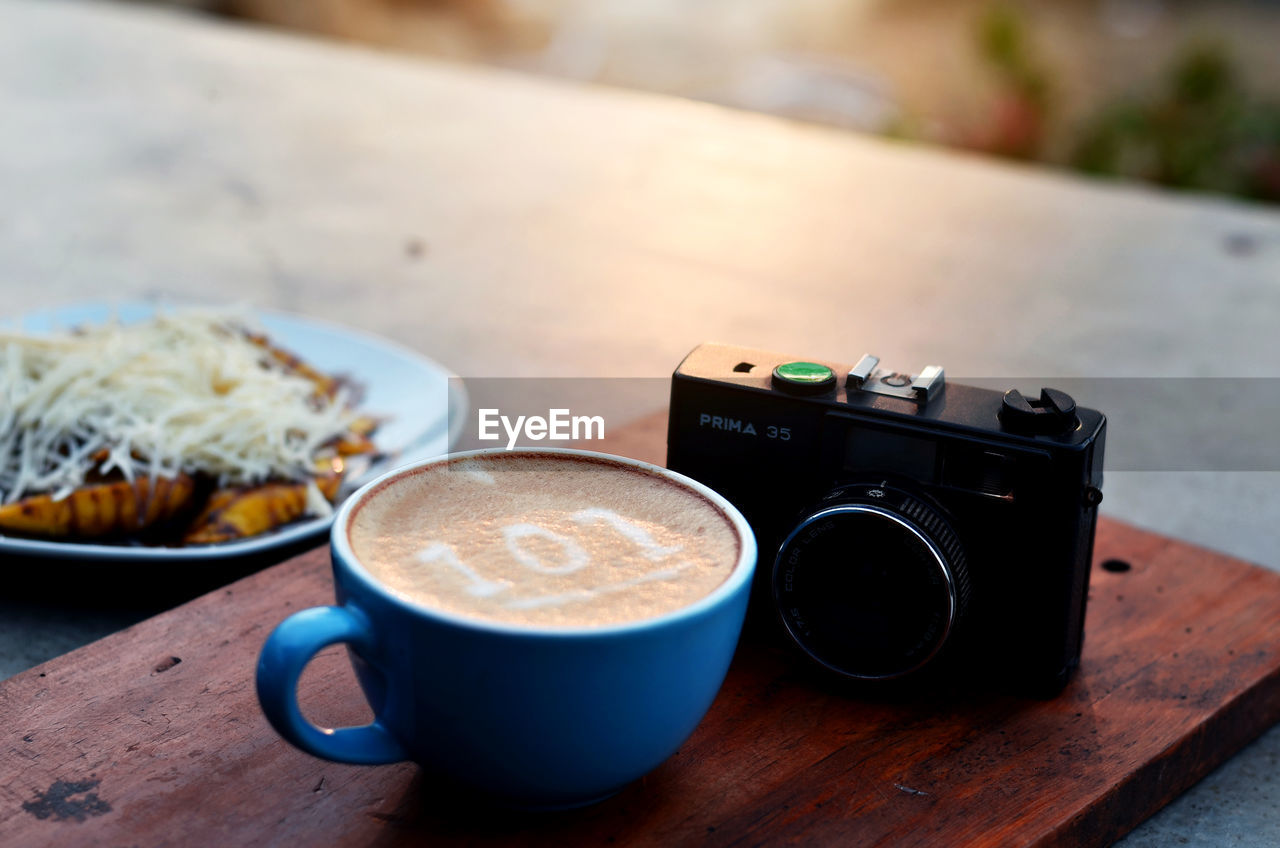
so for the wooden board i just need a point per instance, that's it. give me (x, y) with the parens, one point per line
(153, 736)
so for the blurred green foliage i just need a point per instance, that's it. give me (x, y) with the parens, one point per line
(1196, 127)
(1005, 44)
(1018, 125)
(1200, 128)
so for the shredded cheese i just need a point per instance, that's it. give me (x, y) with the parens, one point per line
(185, 392)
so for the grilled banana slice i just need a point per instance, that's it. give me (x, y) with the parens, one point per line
(101, 509)
(247, 511)
(354, 444)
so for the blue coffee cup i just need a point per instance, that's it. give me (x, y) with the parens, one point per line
(529, 717)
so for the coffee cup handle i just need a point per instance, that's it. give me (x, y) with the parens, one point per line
(286, 652)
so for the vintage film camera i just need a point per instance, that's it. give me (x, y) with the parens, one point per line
(907, 528)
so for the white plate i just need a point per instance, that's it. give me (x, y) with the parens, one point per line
(423, 410)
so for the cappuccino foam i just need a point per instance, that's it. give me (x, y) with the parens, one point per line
(543, 540)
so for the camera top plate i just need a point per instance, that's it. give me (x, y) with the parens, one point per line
(926, 398)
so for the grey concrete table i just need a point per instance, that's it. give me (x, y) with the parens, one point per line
(514, 227)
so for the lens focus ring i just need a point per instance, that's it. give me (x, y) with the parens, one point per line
(872, 583)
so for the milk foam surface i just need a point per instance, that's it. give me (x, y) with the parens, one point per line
(543, 540)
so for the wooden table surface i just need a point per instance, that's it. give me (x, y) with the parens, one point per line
(154, 734)
(509, 226)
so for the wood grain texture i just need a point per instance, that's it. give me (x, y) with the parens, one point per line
(153, 736)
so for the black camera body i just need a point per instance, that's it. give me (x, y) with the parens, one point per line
(907, 528)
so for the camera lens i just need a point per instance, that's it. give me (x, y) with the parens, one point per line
(871, 584)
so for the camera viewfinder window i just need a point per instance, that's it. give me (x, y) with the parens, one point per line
(876, 451)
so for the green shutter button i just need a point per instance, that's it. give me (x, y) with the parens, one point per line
(803, 378)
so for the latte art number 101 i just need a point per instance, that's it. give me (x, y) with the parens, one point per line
(573, 557)
(554, 540)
